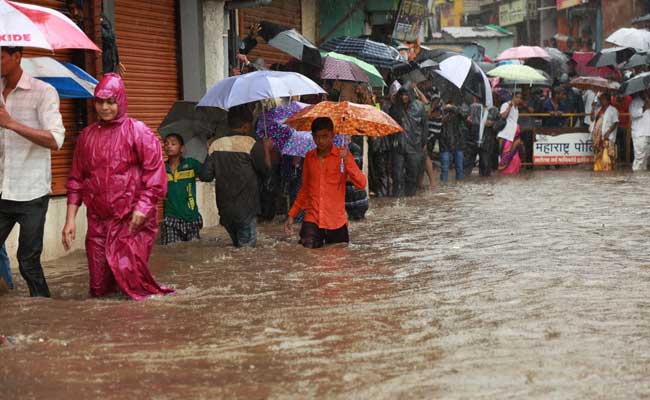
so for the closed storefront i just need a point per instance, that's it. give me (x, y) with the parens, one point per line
(146, 34)
(281, 12)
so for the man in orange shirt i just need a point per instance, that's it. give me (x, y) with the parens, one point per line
(322, 194)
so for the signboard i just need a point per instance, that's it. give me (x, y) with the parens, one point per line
(562, 4)
(512, 12)
(565, 149)
(411, 16)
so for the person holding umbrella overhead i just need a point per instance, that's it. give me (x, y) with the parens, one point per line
(236, 162)
(31, 127)
(322, 195)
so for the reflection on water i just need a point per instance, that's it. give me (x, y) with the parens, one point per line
(533, 286)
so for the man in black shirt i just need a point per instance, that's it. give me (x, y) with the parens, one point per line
(235, 163)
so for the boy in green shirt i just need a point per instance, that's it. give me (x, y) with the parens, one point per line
(182, 219)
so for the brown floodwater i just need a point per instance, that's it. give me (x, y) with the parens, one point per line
(527, 287)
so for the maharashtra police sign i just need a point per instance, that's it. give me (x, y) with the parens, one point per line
(565, 149)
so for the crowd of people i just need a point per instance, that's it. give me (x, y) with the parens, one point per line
(120, 175)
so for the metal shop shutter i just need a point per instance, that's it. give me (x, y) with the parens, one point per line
(146, 34)
(281, 12)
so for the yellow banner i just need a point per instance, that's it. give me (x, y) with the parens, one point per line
(562, 4)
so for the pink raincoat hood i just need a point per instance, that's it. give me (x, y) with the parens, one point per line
(112, 85)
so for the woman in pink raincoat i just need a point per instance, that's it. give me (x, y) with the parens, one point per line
(119, 174)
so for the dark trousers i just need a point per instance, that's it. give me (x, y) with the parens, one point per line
(484, 163)
(243, 235)
(406, 168)
(313, 237)
(527, 139)
(30, 215)
(379, 173)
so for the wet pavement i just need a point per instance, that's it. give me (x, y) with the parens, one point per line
(526, 287)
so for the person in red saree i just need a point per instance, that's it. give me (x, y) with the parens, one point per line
(118, 173)
(512, 152)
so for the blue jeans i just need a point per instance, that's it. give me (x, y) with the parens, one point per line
(5, 267)
(243, 234)
(458, 163)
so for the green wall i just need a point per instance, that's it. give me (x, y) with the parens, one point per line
(332, 11)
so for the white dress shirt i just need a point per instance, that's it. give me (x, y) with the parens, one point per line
(25, 167)
(510, 129)
(640, 118)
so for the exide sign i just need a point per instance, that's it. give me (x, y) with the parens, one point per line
(9, 37)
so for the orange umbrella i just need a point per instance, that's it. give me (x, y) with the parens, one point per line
(349, 118)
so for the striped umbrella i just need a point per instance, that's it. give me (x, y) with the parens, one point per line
(378, 54)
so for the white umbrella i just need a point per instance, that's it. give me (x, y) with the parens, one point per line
(258, 85)
(456, 70)
(631, 37)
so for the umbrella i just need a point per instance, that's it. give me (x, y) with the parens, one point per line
(594, 83)
(522, 52)
(637, 84)
(465, 75)
(555, 64)
(295, 44)
(378, 54)
(186, 119)
(195, 125)
(517, 73)
(342, 70)
(582, 58)
(258, 85)
(349, 118)
(637, 60)
(28, 25)
(638, 39)
(373, 73)
(69, 80)
(271, 123)
(415, 72)
(611, 56)
(518, 82)
(302, 142)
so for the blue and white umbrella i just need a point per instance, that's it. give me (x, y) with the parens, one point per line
(70, 81)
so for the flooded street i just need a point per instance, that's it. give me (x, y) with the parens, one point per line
(528, 287)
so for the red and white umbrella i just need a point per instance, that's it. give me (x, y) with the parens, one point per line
(523, 52)
(26, 25)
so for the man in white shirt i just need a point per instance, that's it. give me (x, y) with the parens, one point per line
(510, 112)
(30, 127)
(640, 114)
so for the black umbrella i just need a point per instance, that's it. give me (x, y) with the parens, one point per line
(611, 56)
(378, 54)
(195, 125)
(636, 84)
(637, 60)
(288, 40)
(415, 72)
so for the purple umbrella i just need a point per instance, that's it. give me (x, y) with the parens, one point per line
(342, 70)
(271, 123)
(302, 142)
